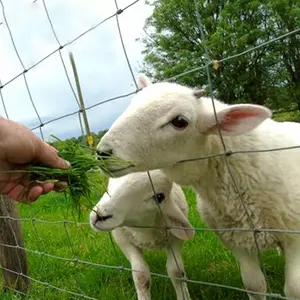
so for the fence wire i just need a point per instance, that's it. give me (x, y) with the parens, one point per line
(43, 251)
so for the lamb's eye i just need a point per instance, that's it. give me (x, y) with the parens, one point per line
(180, 122)
(160, 197)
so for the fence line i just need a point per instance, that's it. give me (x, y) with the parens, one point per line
(86, 108)
(238, 54)
(66, 44)
(225, 154)
(122, 268)
(200, 229)
(229, 169)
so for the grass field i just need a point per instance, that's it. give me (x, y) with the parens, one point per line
(205, 259)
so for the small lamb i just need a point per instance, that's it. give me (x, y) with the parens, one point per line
(130, 201)
(168, 126)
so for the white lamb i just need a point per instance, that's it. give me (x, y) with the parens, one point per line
(130, 201)
(166, 124)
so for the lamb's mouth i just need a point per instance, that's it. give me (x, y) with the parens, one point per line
(117, 172)
(102, 218)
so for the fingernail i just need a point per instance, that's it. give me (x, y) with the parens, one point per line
(33, 198)
(60, 186)
(67, 163)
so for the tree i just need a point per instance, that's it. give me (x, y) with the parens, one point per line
(267, 75)
(286, 17)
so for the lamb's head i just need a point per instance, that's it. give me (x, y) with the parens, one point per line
(166, 123)
(130, 201)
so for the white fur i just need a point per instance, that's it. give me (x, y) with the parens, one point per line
(267, 182)
(130, 201)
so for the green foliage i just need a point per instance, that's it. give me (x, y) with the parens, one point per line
(268, 75)
(77, 177)
(83, 175)
(292, 116)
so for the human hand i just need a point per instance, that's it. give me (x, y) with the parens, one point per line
(19, 146)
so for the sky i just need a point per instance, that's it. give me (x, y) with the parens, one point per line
(99, 58)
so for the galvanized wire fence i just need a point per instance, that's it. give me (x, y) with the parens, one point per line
(42, 252)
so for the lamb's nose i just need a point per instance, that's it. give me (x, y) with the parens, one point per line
(102, 218)
(104, 154)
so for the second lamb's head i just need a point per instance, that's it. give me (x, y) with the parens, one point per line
(130, 201)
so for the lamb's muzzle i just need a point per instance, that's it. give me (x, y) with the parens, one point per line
(102, 218)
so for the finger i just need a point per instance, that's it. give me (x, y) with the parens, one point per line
(35, 193)
(17, 193)
(47, 156)
(47, 187)
(52, 148)
(7, 187)
(60, 186)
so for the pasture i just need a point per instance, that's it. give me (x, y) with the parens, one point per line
(49, 244)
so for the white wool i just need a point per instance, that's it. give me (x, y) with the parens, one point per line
(267, 182)
(130, 202)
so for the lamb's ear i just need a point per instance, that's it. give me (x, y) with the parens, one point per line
(238, 119)
(176, 218)
(143, 81)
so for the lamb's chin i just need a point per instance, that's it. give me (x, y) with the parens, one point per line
(178, 175)
(102, 228)
(116, 173)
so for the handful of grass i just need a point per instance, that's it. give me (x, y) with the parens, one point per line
(80, 177)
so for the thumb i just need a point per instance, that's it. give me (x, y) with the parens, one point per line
(47, 155)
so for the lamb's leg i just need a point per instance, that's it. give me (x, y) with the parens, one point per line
(252, 275)
(175, 268)
(292, 270)
(142, 279)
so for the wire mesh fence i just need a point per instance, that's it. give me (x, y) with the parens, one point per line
(44, 254)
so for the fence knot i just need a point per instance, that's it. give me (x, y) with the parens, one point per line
(228, 153)
(61, 47)
(119, 11)
(184, 279)
(25, 71)
(121, 268)
(275, 295)
(42, 125)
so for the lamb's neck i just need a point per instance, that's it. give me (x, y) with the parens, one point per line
(212, 172)
(229, 174)
(148, 224)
